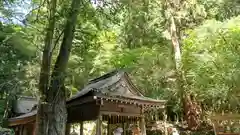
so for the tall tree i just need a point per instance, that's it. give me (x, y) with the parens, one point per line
(175, 20)
(52, 114)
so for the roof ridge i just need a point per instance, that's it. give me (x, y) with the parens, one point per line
(133, 86)
(106, 75)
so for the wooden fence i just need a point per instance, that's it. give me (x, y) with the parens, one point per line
(226, 124)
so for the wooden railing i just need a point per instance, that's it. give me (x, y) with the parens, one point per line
(227, 124)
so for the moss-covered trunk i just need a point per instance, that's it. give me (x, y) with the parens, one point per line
(52, 113)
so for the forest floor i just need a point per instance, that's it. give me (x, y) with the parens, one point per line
(156, 128)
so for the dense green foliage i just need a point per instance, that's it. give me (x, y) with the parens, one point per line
(133, 35)
(211, 61)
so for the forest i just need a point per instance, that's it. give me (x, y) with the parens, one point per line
(182, 51)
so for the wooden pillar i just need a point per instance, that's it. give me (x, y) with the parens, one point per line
(21, 130)
(165, 122)
(34, 129)
(108, 128)
(81, 128)
(124, 128)
(143, 123)
(143, 126)
(15, 131)
(68, 128)
(214, 127)
(99, 126)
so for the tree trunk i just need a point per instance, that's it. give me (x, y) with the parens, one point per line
(190, 108)
(52, 113)
(43, 109)
(175, 43)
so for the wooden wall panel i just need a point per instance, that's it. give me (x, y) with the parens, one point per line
(120, 108)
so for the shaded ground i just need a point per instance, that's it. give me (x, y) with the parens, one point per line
(157, 128)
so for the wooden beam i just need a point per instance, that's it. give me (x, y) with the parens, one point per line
(120, 114)
(81, 101)
(226, 117)
(128, 100)
(22, 121)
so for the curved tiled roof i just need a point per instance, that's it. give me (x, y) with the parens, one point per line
(23, 119)
(114, 84)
